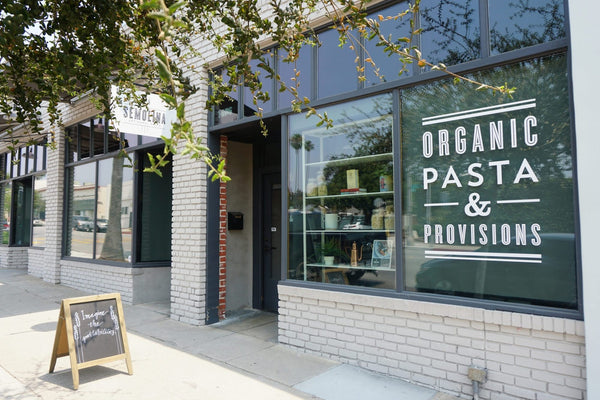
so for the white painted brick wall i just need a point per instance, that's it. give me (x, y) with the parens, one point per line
(13, 257)
(36, 261)
(98, 278)
(188, 231)
(527, 356)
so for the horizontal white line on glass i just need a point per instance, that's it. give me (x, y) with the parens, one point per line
(483, 254)
(440, 204)
(477, 112)
(518, 201)
(518, 260)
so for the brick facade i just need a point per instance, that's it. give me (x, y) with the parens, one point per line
(188, 231)
(527, 356)
(222, 237)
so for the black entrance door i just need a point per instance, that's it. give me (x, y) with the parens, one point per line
(271, 237)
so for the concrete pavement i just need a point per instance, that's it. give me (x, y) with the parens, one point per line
(236, 359)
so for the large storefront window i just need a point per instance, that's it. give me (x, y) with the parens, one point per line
(488, 188)
(103, 194)
(341, 199)
(23, 189)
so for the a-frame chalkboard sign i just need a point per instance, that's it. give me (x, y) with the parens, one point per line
(91, 331)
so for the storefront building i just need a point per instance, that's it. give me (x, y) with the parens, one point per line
(432, 229)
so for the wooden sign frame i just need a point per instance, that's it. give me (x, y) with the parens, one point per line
(68, 340)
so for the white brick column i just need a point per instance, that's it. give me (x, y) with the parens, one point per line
(188, 232)
(54, 208)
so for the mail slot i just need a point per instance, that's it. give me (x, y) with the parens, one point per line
(235, 221)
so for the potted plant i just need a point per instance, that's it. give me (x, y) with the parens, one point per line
(330, 249)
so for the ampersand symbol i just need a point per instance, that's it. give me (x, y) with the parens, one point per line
(477, 208)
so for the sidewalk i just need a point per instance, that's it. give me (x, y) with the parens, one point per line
(235, 359)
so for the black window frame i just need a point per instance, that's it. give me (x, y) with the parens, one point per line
(23, 176)
(133, 152)
(419, 77)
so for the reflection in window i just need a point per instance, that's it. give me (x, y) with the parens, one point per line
(505, 202)
(6, 166)
(304, 79)
(450, 31)
(267, 86)
(227, 111)
(98, 135)
(113, 141)
(71, 144)
(40, 155)
(39, 211)
(22, 191)
(28, 157)
(130, 140)
(155, 217)
(518, 24)
(15, 162)
(336, 72)
(81, 196)
(6, 200)
(85, 136)
(388, 65)
(341, 202)
(113, 229)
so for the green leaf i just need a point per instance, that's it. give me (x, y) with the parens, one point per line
(163, 71)
(170, 100)
(176, 6)
(181, 111)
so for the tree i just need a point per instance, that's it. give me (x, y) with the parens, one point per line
(53, 51)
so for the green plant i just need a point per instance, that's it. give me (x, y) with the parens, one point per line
(331, 247)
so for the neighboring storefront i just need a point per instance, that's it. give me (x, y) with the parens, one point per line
(432, 229)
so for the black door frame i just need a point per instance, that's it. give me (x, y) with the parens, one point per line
(248, 134)
(258, 270)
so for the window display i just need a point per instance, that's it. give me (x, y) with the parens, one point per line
(341, 198)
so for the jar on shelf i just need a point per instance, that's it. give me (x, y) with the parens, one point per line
(377, 219)
(389, 219)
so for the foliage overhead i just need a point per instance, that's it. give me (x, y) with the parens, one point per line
(53, 51)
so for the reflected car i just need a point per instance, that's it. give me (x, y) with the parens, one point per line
(81, 223)
(552, 282)
(101, 225)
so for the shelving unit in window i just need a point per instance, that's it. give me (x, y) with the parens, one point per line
(348, 197)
